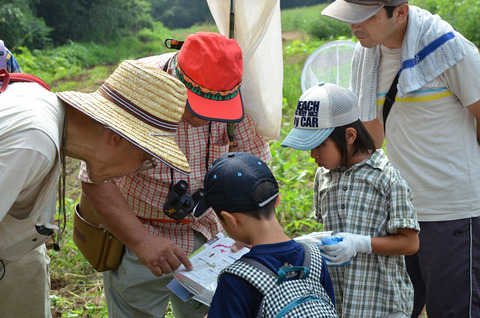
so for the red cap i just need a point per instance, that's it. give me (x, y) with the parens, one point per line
(211, 67)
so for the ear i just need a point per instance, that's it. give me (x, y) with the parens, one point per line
(277, 200)
(401, 13)
(230, 219)
(112, 137)
(350, 135)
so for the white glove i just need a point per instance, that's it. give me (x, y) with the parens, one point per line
(348, 245)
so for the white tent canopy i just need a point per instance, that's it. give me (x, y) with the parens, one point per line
(258, 31)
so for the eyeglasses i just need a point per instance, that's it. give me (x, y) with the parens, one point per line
(148, 164)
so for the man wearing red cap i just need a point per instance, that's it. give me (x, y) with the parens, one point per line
(429, 72)
(211, 67)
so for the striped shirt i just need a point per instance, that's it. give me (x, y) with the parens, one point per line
(370, 198)
(146, 191)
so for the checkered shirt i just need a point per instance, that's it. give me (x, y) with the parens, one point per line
(278, 296)
(370, 198)
(146, 191)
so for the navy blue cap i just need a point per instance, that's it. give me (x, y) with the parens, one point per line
(231, 182)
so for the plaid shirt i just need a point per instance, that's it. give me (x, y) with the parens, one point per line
(146, 191)
(370, 198)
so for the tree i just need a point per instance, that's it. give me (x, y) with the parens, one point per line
(180, 13)
(98, 21)
(20, 26)
(462, 15)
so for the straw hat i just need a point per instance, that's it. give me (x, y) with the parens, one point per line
(141, 103)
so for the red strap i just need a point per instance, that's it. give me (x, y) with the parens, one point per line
(184, 221)
(6, 78)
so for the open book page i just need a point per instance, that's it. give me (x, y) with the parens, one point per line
(208, 261)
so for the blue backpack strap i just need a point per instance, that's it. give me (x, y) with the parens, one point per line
(3, 56)
(270, 278)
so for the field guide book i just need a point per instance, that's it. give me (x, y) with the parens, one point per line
(208, 261)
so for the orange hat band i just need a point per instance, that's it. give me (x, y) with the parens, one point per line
(130, 107)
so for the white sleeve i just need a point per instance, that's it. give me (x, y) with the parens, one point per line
(462, 78)
(23, 170)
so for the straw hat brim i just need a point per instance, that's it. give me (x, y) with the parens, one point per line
(157, 142)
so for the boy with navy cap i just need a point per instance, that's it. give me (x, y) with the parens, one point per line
(244, 193)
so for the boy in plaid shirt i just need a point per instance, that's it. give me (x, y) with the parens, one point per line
(362, 198)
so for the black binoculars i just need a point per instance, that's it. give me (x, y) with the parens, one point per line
(179, 203)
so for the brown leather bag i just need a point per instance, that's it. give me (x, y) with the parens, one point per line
(100, 247)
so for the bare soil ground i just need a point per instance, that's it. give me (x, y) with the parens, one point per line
(293, 35)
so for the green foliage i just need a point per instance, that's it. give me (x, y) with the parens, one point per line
(20, 26)
(84, 62)
(99, 21)
(76, 287)
(71, 274)
(294, 169)
(181, 13)
(462, 15)
(288, 4)
(310, 21)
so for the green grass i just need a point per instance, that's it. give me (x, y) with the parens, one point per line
(76, 287)
(67, 67)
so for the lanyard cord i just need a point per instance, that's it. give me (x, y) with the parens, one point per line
(207, 157)
(61, 186)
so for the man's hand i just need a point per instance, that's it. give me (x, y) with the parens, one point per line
(161, 255)
(348, 245)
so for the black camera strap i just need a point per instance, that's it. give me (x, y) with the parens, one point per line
(165, 66)
(389, 100)
(179, 204)
(207, 157)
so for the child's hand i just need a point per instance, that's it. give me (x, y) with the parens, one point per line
(237, 246)
(341, 253)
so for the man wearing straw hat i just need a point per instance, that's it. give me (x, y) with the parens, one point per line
(135, 112)
(211, 67)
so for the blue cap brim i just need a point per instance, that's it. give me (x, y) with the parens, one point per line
(306, 139)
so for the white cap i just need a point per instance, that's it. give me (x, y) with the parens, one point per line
(357, 11)
(319, 111)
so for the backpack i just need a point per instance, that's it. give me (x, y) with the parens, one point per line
(6, 78)
(298, 298)
(3, 56)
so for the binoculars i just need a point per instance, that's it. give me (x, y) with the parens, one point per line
(179, 203)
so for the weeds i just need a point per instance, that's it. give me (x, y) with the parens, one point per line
(77, 289)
